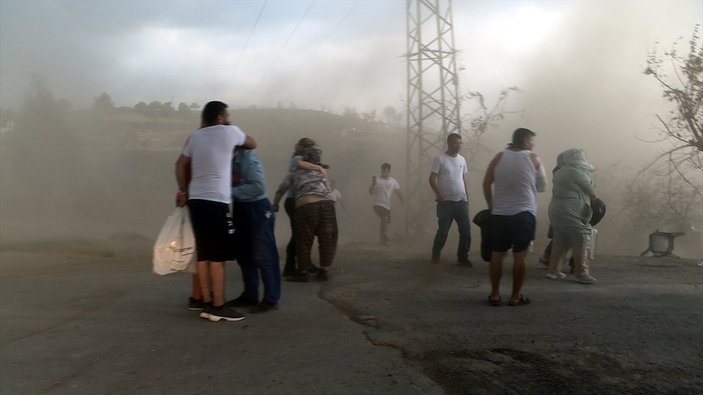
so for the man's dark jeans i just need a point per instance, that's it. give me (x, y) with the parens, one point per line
(447, 212)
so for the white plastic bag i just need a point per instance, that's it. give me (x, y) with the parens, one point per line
(174, 250)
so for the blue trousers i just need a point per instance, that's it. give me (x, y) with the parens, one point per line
(446, 213)
(255, 249)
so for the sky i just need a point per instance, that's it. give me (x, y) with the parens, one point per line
(578, 64)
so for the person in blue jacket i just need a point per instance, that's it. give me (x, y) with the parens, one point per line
(255, 242)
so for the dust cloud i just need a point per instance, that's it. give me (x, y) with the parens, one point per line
(100, 173)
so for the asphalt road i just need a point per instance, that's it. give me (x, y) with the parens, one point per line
(94, 320)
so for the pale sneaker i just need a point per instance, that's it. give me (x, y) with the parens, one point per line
(555, 276)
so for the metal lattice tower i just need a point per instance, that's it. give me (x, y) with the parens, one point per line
(432, 102)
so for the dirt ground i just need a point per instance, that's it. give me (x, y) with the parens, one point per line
(403, 325)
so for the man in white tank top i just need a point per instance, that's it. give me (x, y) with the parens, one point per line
(510, 187)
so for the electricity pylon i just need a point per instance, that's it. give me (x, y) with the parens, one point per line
(432, 102)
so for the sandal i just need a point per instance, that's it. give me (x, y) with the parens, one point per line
(493, 302)
(522, 301)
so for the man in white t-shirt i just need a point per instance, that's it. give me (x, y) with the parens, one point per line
(382, 190)
(448, 181)
(204, 175)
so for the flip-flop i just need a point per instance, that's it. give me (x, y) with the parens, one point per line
(522, 301)
(493, 302)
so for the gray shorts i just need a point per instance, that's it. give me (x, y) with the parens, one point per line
(382, 212)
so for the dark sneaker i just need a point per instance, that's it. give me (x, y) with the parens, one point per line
(205, 313)
(242, 302)
(288, 272)
(435, 258)
(313, 269)
(465, 262)
(298, 278)
(227, 313)
(585, 279)
(322, 275)
(195, 304)
(263, 307)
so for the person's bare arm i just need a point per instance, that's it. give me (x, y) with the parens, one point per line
(182, 179)
(488, 179)
(249, 143)
(435, 188)
(301, 164)
(541, 175)
(466, 188)
(400, 196)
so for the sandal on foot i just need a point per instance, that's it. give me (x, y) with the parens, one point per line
(522, 301)
(493, 302)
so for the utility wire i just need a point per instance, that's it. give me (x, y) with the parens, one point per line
(329, 35)
(251, 32)
(312, 3)
(275, 58)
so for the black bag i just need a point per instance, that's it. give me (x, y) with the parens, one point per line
(598, 207)
(483, 220)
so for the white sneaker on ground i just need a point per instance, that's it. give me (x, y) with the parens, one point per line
(556, 275)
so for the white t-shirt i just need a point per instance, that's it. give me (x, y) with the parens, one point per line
(450, 176)
(383, 190)
(210, 150)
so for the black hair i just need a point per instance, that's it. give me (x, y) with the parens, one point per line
(211, 111)
(386, 166)
(453, 136)
(520, 135)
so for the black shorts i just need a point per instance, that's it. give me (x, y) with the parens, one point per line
(212, 227)
(512, 231)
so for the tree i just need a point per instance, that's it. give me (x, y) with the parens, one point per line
(103, 103)
(183, 108)
(167, 109)
(683, 127)
(154, 107)
(488, 118)
(42, 116)
(391, 115)
(484, 117)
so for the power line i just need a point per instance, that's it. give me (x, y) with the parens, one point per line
(312, 3)
(275, 58)
(251, 32)
(328, 36)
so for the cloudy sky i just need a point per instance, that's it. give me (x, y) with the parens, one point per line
(578, 63)
(312, 52)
